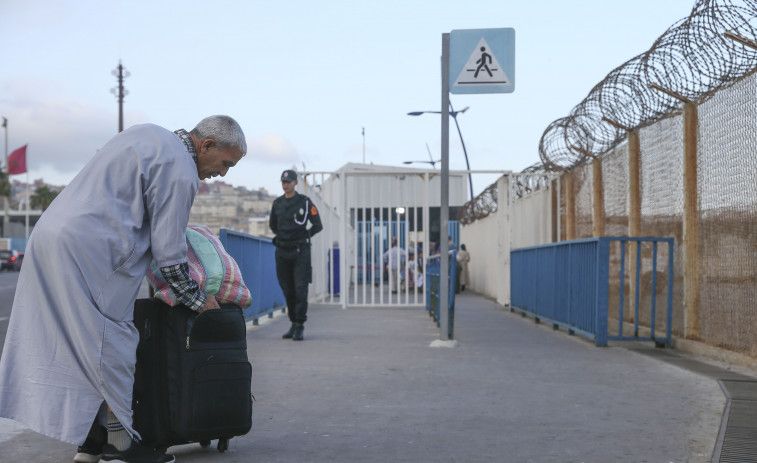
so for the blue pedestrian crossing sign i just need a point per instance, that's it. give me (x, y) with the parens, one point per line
(482, 60)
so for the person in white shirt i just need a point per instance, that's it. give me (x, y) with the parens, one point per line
(394, 259)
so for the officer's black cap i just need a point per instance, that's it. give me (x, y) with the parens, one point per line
(288, 176)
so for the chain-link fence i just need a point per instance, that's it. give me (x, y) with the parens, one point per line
(666, 146)
(727, 218)
(690, 100)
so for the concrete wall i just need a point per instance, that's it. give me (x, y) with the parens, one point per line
(532, 219)
(488, 242)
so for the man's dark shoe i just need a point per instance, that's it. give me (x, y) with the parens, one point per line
(298, 332)
(92, 448)
(290, 333)
(136, 453)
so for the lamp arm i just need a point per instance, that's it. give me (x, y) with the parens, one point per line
(465, 151)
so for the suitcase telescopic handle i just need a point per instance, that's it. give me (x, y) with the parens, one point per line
(147, 331)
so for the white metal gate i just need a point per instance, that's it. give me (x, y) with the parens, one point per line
(365, 209)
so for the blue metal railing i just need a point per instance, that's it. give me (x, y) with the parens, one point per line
(433, 283)
(568, 284)
(256, 259)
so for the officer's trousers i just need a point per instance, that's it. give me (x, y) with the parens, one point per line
(295, 273)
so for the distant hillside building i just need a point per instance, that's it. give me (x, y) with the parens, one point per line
(217, 205)
(220, 205)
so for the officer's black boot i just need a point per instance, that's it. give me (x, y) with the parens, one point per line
(298, 330)
(290, 333)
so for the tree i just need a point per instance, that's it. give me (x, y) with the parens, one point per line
(5, 185)
(42, 197)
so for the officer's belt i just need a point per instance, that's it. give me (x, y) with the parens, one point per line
(290, 244)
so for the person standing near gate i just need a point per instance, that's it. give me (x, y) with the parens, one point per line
(290, 215)
(394, 258)
(463, 277)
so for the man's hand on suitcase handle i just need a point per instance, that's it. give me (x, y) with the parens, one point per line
(210, 304)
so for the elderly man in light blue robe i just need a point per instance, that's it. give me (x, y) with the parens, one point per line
(71, 341)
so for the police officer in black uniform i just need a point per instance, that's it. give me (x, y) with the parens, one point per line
(290, 214)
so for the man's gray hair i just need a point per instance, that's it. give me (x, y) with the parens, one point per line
(223, 130)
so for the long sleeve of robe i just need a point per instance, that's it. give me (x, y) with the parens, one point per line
(71, 341)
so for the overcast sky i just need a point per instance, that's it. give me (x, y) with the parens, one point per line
(303, 77)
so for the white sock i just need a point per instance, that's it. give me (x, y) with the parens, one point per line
(117, 435)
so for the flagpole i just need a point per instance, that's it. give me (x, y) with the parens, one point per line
(19, 167)
(8, 179)
(5, 126)
(27, 204)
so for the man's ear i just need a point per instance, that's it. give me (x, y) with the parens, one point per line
(207, 144)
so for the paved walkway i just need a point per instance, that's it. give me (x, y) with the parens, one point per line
(365, 386)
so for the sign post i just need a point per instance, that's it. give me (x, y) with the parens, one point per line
(473, 61)
(444, 209)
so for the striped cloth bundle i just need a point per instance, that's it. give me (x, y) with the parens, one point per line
(209, 265)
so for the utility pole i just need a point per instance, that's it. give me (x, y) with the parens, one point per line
(120, 93)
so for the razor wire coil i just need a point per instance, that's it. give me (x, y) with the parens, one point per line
(712, 48)
(697, 56)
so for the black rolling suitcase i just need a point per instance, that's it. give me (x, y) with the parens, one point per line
(193, 378)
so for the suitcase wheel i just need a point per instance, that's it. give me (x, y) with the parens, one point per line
(223, 445)
(204, 443)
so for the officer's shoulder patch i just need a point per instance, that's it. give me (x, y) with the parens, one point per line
(313, 210)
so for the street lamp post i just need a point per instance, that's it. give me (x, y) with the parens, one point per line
(454, 114)
(430, 161)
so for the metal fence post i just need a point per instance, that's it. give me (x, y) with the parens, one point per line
(602, 292)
